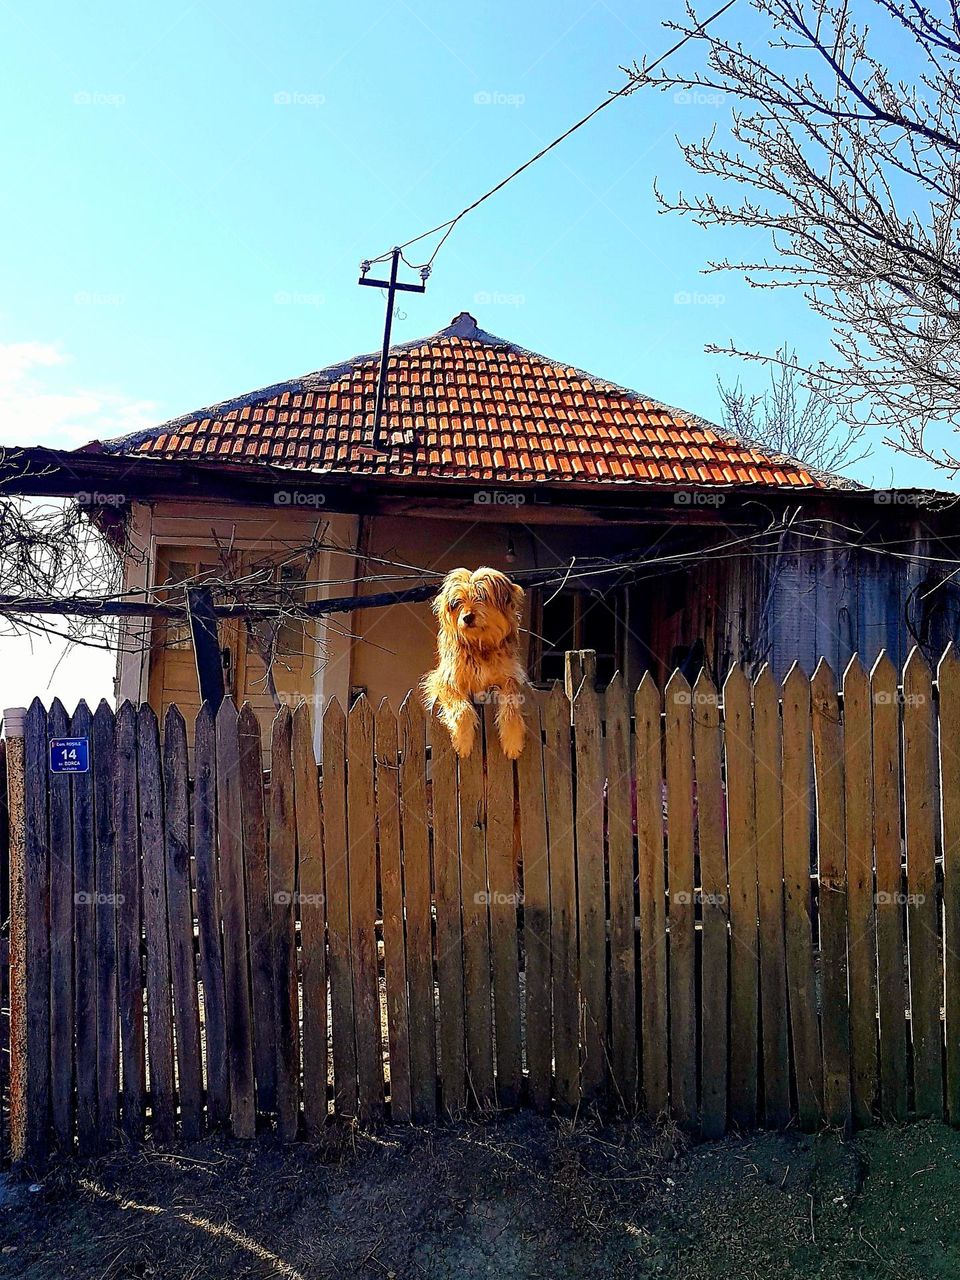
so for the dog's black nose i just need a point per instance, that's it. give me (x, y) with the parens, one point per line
(468, 619)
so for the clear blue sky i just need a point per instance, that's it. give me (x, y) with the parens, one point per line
(178, 233)
(188, 190)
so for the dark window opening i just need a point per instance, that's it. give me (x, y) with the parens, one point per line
(578, 619)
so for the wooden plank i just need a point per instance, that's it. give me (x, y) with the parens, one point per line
(208, 916)
(107, 908)
(236, 949)
(61, 940)
(416, 872)
(680, 898)
(14, 971)
(283, 887)
(861, 927)
(477, 994)
(926, 981)
(129, 926)
(257, 875)
(948, 681)
(558, 787)
(391, 881)
(159, 1008)
(8, 873)
(773, 961)
(338, 909)
(591, 904)
(36, 905)
(536, 907)
(714, 890)
(504, 924)
(313, 954)
(85, 942)
(449, 928)
(183, 973)
(744, 903)
(797, 832)
(834, 1016)
(623, 884)
(891, 920)
(653, 915)
(361, 828)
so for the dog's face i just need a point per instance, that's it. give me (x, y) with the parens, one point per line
(481, 609)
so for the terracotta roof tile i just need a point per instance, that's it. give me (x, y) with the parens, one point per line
(467, 405)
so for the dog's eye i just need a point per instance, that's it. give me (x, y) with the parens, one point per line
(454, 606)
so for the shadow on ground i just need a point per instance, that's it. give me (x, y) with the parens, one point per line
(517, 1196)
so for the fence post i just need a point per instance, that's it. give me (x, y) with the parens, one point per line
(14, 721)
(579, 665)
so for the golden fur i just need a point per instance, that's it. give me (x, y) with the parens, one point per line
(477, 652)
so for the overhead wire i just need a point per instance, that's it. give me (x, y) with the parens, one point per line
(635, 82)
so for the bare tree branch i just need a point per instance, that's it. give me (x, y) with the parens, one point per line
(855, 177)
(792, 418)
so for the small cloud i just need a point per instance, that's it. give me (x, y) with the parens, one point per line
(40, 406)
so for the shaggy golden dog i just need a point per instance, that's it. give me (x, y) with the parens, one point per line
(477, 649)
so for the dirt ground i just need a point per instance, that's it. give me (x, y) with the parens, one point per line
(516, 1196)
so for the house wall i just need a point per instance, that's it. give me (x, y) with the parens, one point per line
(835, 603)
(796, 606)
(395, 647)
(259, 531)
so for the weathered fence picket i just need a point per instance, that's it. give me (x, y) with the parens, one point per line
(698, 903)
(797, 783)
(313, 917)
(417, 901)
(714, 950)
(891, 935)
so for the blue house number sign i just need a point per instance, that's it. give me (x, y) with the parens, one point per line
(69, 755)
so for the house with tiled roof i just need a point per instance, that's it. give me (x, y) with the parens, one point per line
(658, 539)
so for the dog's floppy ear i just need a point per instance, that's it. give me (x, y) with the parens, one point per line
(506, 595)
(455, 578)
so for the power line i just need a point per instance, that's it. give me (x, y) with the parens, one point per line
(635, 82)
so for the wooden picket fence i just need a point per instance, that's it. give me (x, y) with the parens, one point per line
(737, 907)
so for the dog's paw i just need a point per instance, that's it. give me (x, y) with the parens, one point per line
(463, 734)
(513, 736)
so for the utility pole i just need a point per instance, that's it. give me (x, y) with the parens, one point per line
(393, 287)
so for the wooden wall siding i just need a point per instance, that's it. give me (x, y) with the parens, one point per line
(834, 603)
(700, 902)
(801, 605)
